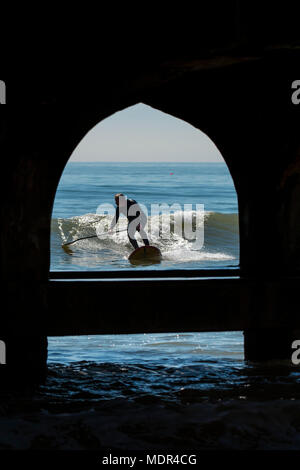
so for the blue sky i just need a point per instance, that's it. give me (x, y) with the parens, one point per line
(141, 133)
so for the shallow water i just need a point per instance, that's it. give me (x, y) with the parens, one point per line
(155, 392)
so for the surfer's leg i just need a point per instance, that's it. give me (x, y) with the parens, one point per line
(131, 229)
(133, 242)
(144, 236)
(142, 231)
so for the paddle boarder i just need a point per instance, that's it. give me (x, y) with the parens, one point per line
(137, 219)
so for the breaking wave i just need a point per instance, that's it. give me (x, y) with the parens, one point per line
(218, 243)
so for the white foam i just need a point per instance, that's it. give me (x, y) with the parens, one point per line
(164, 231)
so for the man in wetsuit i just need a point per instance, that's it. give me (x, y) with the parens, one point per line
(136, 218)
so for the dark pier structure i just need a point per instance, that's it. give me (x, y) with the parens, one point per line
(235, 83)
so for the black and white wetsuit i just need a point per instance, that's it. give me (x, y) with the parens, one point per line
(136, 220)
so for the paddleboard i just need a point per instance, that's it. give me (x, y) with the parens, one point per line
(145, 255)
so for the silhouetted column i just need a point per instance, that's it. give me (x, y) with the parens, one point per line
(25, 361)
(267, 344)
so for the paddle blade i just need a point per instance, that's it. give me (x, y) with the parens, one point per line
(67, 249)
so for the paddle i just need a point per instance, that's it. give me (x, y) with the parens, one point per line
(65, 246)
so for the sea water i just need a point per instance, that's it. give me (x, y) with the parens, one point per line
(85, 189)
(156, 391)
(82, 189)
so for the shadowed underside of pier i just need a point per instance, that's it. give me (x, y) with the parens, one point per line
(237, 89)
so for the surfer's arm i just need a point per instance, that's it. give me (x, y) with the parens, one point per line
(115, 219)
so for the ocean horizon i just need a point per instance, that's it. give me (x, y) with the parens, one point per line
(157, 390)
(86, 189)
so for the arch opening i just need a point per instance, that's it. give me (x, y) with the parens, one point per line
(176, 174)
